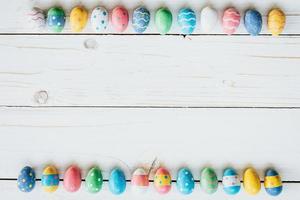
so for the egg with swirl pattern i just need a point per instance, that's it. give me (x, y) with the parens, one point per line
(187, 20)
(140, 19)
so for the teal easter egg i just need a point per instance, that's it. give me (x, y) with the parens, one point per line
(272, 182)
(117, 181)
(209, 180)
(56, 19)
(185, 181)
(26, 179)
(50, 179)
(187, 20)
(253, 22)
(140, 19)
(231, 181)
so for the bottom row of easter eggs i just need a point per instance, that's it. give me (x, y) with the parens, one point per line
(162, 180)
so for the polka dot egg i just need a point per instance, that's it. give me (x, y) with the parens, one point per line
(50, 179)
(187, 20)
(26, 179)
(162, 181)
(56, 19)
(119, 19)
(94, 180)
(231, 20)
(99, 19)
(140, 19)
(185, 181)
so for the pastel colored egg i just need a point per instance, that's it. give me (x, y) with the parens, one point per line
(94, 180)
(231, 181)
(272, 182)
(208, 19)
(26, 179)
(163, 20)
(209, 180)
(231, 20)
(187, 20)
(140, 19)
(36, 19)
(56, 19)
(162, 181)
(117, 181)
(50, 179)
(99, 19)
(72, 179)
(253, 22)
(139, 181)
(276, 21)
(185, 181)
(119, 18)
(78, 18)
(251, 181)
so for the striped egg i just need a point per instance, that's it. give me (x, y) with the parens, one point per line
(273, 184)
(36, 19)
(231, 20)
(50, 179)
(162, 181)
(253, 22)
(119, 18)
(99, 19)
(187, 20)
(140, 181)
(209, 180)
(231, 182)
(26, 179)
(276, 21)
(251, 181)
(140, 19)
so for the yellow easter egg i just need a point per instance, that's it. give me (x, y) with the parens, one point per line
(50, 179)
(276, 21)
(78, 18)
(251, 181)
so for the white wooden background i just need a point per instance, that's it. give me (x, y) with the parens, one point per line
(126, 100)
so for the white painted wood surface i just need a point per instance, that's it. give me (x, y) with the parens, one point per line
(122, 99)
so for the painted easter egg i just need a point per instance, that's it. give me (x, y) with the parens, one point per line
(253, 22)
(139, 181)
(72, 179)
(78, 18)
(26, 179)
(119, 18)
(163, 20)
(56, 19)
(50, 179)
(276, 21)
(231, 20)
(231, 181)
(251, 181)
(209, 180)
(140, 19)
(117, 181)
(94, 180)
(187, 20)
(208, 19)
(36, 19)
(185, 181)
(273, 184)
(162, 181)
(99, 19)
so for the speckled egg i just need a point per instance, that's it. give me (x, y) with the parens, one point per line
(231, 181)
(187, 20)
(276, 21)
(140, 19)
(94, 180)
(50, 179)
(253, 22)
(162, 181)
(119, 18)
(208, 19)
(139, 181)
(163, 20)
(99, 19)
(185, 181)
(117, 181)
(72, 179)
(272, 182)
(231, 20)
(78, 18)
(36, 19)
(209, 180)
(251, 181)
(56, 19)
(26, 179)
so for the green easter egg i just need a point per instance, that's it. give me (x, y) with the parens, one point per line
(56, 19)
(163, 20)
(209, 180)
(94, 180)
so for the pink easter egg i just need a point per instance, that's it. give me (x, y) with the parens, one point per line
(72, 179)
(119, 18)
(231, 20)
(162, 181)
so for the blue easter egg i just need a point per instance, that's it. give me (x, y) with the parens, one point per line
(272, 182)
(185, 181)
(231, 181)
(187, 20)
(56, 19)
(140, 19)
(253, 22)
(117, 181)
(26, 179)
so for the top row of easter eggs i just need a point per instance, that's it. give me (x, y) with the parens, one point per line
(100, 19)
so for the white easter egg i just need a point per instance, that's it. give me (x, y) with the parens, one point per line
(99, 19)
(208, 19)
(36, 19)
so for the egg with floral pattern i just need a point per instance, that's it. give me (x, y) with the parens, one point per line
(162, 181)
